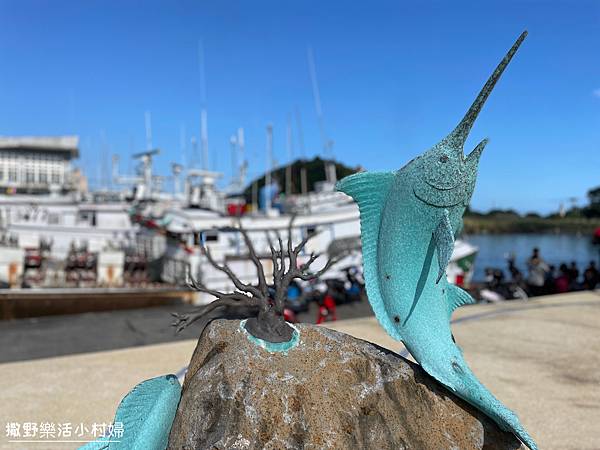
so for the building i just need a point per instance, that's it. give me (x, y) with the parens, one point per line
(38, 165)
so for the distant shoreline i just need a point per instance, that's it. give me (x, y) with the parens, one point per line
(505, 225)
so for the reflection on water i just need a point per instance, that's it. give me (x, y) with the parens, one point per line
(555, 249)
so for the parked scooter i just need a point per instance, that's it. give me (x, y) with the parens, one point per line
(496, 289)
(296, 300)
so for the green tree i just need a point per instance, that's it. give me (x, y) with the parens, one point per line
(593, 209)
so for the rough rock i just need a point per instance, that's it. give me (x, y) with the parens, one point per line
(330, 392)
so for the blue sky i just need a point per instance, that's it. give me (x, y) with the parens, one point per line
(394, 78)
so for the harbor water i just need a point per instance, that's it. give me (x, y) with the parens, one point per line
(555, 249)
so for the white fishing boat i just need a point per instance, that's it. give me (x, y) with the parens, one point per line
(174, 238)
(53, 232)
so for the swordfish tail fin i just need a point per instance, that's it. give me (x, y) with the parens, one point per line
(463, 382)
(370, 190)
(506, 419)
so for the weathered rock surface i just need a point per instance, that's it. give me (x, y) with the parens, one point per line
(332, 391)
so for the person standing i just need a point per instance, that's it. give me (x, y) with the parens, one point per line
(591, 276)
(574, 276)
(537, 273)
(562, 281)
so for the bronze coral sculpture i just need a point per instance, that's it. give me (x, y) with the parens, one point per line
(268, 324)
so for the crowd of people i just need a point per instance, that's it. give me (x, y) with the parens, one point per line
(543, 278)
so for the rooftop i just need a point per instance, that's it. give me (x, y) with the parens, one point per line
(47, 143)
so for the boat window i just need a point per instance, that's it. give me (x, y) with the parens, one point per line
(88, 217)
(211, 236)
(311, 230)
(12, 174)
(53, 219)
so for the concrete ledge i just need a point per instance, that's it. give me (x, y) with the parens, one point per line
(20, 303)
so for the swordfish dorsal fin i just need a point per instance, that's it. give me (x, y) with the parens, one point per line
(370, 190)
(444, 242)
(457, 297)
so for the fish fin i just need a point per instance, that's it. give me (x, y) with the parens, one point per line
(444, 242)
(147, 413)
(457, 297)
(370, 190)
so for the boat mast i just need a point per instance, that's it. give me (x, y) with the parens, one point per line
(244, 165)
(194, 144)
(290, 149)
(234, 162)
(269, 167)
(327, 143)
(183, 145)
(203, 113)
(146, 159)
(303, 186)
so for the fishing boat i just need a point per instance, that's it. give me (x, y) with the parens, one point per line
(176, 237)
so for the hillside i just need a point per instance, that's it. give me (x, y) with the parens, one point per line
(315, 172)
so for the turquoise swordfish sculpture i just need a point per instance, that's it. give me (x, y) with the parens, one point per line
(409, 219)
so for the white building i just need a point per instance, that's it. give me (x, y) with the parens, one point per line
(38, 164)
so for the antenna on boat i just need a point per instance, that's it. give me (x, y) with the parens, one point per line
(243, 164)
(148, 119)
(203, 113)
(241, 141)
(104, 150)
(176, 169)
(147, 177)
(234, 161)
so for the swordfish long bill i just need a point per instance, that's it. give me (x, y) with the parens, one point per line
(409, 219)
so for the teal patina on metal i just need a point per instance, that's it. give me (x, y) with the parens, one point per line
(409, 219)
(146, 414)
(273, 347)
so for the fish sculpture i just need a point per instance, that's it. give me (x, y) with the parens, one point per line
(409, 219)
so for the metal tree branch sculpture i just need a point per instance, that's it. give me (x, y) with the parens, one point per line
(268, 324)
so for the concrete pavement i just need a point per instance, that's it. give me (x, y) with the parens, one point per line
(540, 357)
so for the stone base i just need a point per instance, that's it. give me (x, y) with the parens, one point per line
(331, 391)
